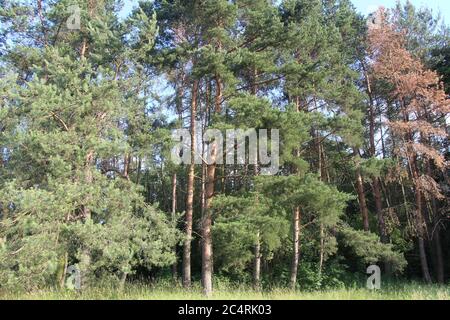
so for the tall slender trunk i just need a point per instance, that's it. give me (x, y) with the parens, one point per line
(207, 247)
(361, 196)
(62, 275)
(321, 168)
(174, 221)
(207, 225)
(257, 263)
(190, 194)
(296, 251)
(296, 220)
(420, 221)
(436, 233)
(372, 151)
(257, 247)
(85, 260)
(440, 273)
(362, 200)
(139, 169)
(322, 248)
(423, 260)
(126, 166)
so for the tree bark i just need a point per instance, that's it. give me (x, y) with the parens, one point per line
(372, 151)
(206, 226)
(362, 200)
(190, 194)
(420, 222)
(440, 273)
(436, 234)
(257, 264)
(207, 247)
(322, 248)
(174, 212)
(296, 247)
(85, 260)
(296, 220)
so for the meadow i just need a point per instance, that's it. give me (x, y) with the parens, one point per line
(409, 291)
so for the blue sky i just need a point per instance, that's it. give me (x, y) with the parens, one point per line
(442, 6)
(367, 6)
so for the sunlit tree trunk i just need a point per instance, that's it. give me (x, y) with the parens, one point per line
(207, 248)
(190, 194)
(296, 246)
(174, 219)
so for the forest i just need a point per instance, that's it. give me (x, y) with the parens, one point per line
(97, 108)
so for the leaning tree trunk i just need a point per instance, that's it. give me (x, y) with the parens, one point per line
(190, 194)
(372, 151)
(361, 196)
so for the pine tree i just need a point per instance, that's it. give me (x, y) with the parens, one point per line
(70, 107)
(420, 125)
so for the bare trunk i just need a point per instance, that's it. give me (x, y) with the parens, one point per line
(257, 264)
(62, 276)
(379, 210)
(424, 261)
(375, 182)
(85, 260)
(190, 194)
(206, 228)
(207, 247)
(296, 246)
(362, 200)
(436, 234)
(440, 273)
(322, 247)
(296, 220)
(174, 221)
(126, 166)
(420, 222)
(123, 280)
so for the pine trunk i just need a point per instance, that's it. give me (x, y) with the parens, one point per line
(206, 227)
(296, 220)
(190, 195)
(420, 223)
(362, 200)
(372, 151)
(257, 264)
(296, 246)
(174, 220)
(436, 234)
(207, 249)
(440, 273)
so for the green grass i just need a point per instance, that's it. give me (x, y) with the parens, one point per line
(164, 292)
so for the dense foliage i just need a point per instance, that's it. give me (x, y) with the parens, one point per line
(86, 115)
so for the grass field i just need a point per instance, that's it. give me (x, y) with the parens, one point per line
(139, 292)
